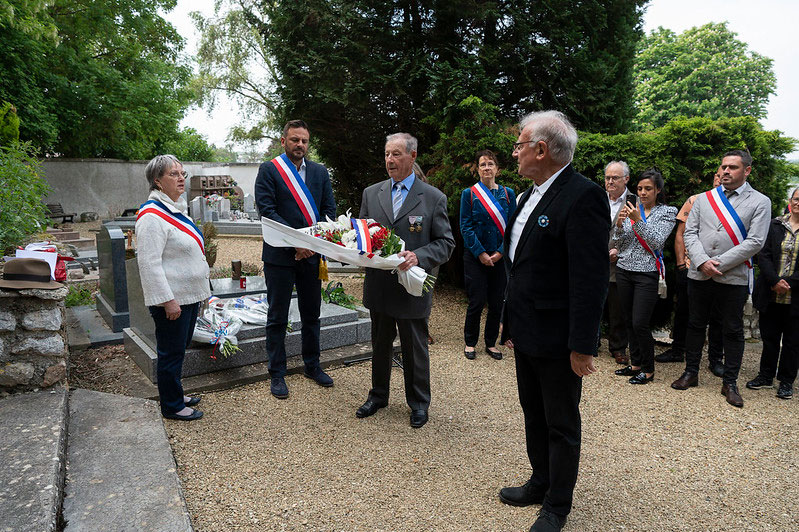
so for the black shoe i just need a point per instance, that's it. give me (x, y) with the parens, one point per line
(369, 408)
(670, 355)
(195, 414)
(470, 354)
(717, 369)
(192, 401)
(320, 377)
(496, 355)
(523, 495)
(641, 378)
(627, 372)
(785, 391)
(418, 418)
(278, 388)
(759, 382)
(548, 522)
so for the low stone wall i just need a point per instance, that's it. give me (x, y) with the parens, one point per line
(33, 341)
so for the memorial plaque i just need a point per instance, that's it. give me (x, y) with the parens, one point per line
(112, 300)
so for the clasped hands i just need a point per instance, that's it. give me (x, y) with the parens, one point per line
(489, 260)
(782, 287)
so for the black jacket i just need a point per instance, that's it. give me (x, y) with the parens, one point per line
(558, 279)
(768, 261)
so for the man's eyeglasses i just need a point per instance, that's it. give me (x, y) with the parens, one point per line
(184, 173)
(517, 145)
(613, 178)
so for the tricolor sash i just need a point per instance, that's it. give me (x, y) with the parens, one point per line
(176, 219)
(362, 237)
(491, 205)
(657, 254)
(730, 220)
(297, 187)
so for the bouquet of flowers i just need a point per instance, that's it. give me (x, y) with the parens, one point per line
(351, 241)
(250, 308)
(217, 327)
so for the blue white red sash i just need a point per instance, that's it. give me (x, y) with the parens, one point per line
(491, 205)
(177, 219)
(730, 220)
(657, 254)
(297, 187)
(362, 237)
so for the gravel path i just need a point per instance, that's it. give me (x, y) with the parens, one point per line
(653, 458)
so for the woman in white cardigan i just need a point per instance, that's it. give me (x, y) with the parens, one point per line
(174, 278)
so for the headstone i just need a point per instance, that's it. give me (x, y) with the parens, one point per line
(224, 209)
(208, 213)
(196, 208)
(249, 203)
(112, 300)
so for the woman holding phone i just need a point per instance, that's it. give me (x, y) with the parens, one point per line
(640, 233)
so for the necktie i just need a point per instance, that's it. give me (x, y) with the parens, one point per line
(397, 199)
(730, 193)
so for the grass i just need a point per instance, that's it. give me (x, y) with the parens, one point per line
(77, 296)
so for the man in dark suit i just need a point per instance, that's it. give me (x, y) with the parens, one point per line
(417, 212)
(557, 281)
(295, 192)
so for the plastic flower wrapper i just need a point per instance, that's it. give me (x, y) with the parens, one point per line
(217, 327)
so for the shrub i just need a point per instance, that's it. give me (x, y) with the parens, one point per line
(22, 188)
(9, 124)
(77, 296)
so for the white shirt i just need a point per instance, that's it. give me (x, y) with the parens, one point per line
(526, 210)
(616, 205)
(301, 170)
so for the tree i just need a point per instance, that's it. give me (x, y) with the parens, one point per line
(356, 70)
(111, 84)
(704, 71)
(188, 145)
(22, 187)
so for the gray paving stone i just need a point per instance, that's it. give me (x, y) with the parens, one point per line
(32, 446)
(121, 475)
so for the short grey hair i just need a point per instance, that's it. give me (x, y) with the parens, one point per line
(157, 167)
(411, 144)
(555, 129)
(625, 170)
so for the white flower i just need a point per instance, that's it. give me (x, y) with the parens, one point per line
(349, 239)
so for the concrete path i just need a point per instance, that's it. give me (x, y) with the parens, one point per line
(121, 474)
(32, 445)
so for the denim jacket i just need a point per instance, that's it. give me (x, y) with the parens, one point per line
(480, 233)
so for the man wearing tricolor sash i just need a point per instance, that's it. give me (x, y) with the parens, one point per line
(295, 192)
(727, 226)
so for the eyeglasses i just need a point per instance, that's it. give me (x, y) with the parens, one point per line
(517, 145)
(184, 173)
(613, 178)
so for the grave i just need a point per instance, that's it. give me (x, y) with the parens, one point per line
(112, 299)
(339, 327)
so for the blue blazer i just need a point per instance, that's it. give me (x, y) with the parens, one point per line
(275, 201)
(480, 233)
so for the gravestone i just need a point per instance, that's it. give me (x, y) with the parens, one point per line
(224, 209)
(112, 300)
(196, 208)
(248, 203)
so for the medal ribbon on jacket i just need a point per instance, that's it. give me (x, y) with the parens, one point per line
(291, 177)
(362, 237)
(178, 220)
(491, 205)
(657, 254)
(731, 222)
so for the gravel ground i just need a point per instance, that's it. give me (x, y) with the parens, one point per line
(653, 458)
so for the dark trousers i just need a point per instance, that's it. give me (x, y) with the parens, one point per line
(777, 323)
(172, 337)
(638, 294)
(549, 392)
(415, 358)
(715, 350)
(617, 327)
(706, 297)
(280, 280)
(483, 284)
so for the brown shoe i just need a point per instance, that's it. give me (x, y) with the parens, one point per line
(621, 357)
(730, 391)
(686, 380)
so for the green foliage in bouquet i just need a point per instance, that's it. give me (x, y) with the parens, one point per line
(334, 293)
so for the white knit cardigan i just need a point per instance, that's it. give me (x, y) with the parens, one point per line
(171, 264)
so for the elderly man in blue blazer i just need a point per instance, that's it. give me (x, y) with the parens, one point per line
(417, 212)
(557, 259)
(296, 192)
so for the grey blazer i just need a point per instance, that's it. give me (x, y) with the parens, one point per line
(632, 198)
(706, 238)
(433, 245)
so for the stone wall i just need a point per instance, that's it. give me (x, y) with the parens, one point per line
(33, 341)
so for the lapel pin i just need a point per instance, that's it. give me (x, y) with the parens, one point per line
(543, 220)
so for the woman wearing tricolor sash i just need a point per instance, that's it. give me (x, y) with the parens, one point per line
(640, 233)
(486, 208)
(174, 278)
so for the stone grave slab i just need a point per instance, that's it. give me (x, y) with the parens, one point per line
(112, 300)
